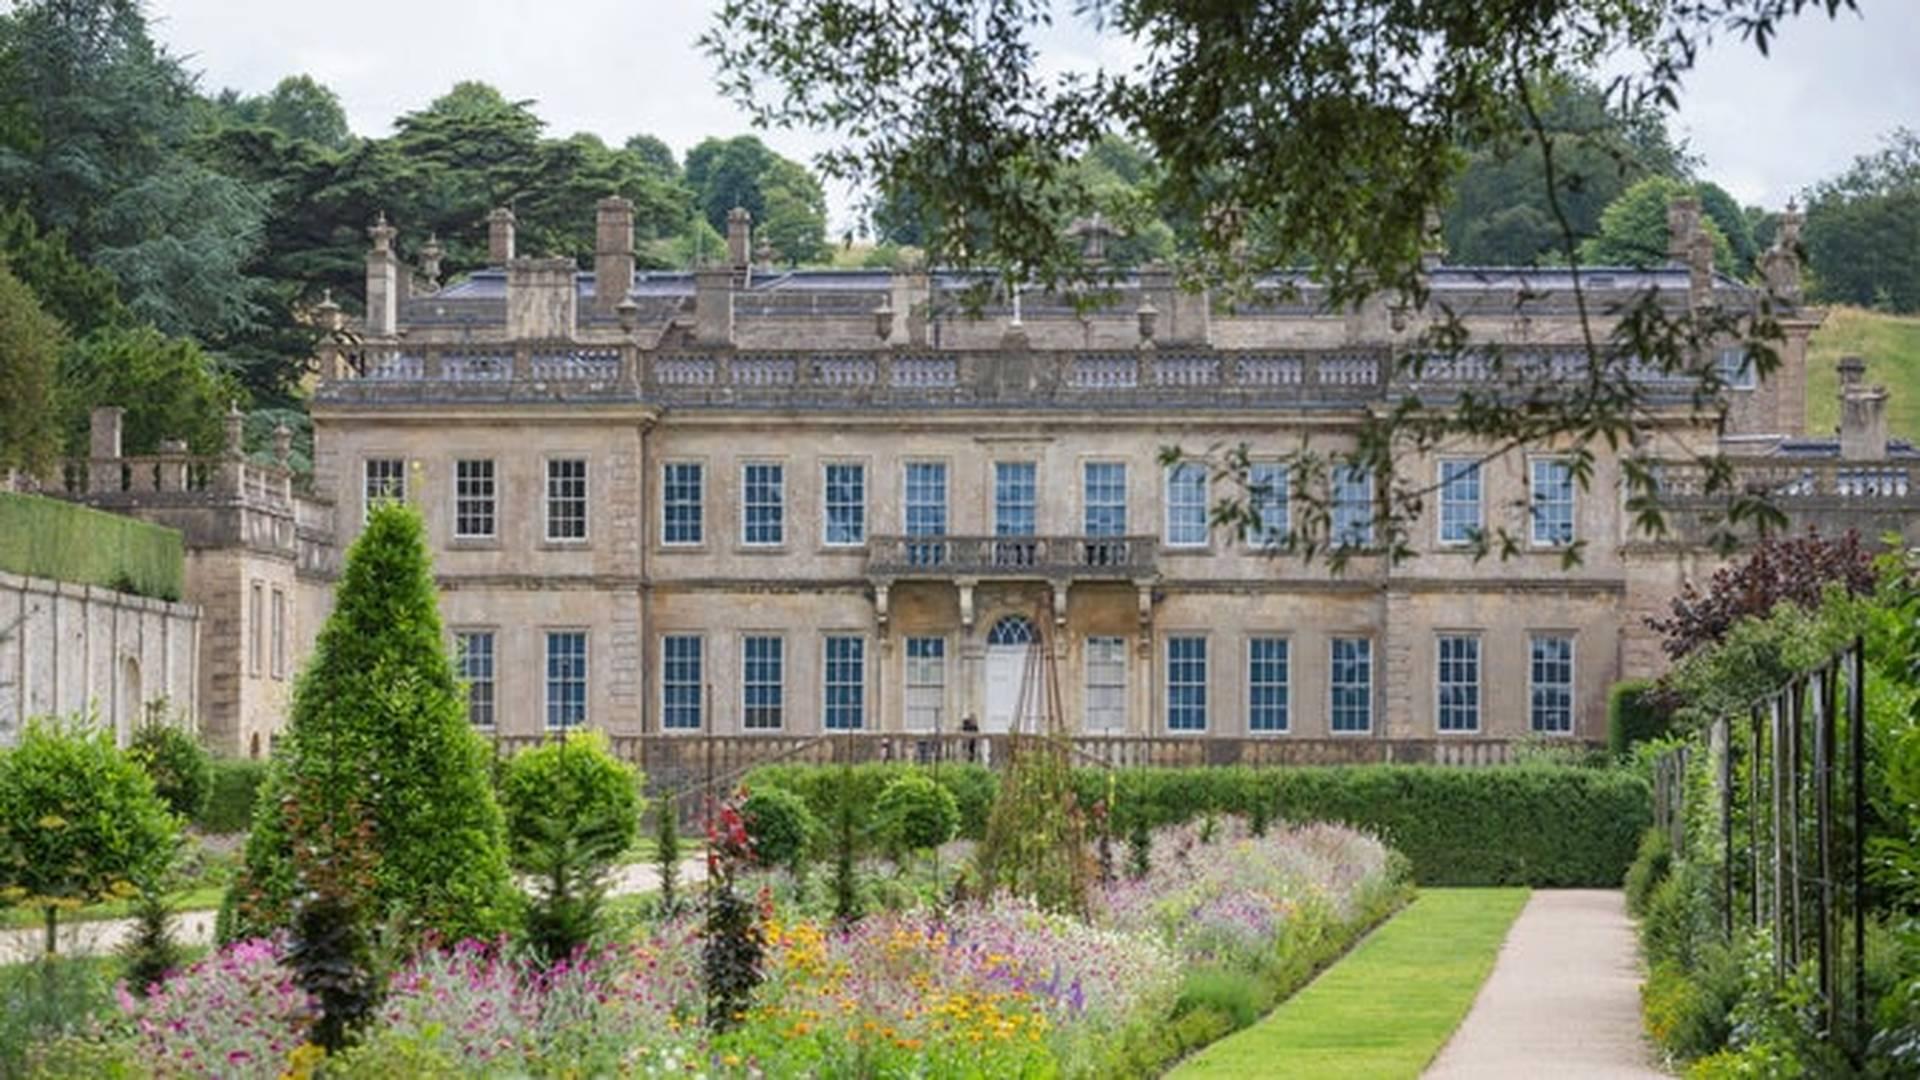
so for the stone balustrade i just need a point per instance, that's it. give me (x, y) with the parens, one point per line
(1122, 558)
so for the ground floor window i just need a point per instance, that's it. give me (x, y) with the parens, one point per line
(1458, 703)
(1106, 684)
(1267, 684)
(763, 676)
(473, 653)
(846, 683)
(1352, 682)
(926, 682)
(566, 678)
(1550, 683)
(1186, 684)
(680, 682)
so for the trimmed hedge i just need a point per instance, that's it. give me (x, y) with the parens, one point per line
(1541, 825)
(41, 537)
(236, 783)
(1634, 715)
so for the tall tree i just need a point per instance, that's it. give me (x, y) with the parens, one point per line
(169, 386)
(379, 730)
(298, 107)
(1633, 228)
(30, 342)
(1863, 228)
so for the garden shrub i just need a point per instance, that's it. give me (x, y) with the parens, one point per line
(43, 1000)
(572, 781)
(1650, 867)
(79, 821)
(181, 769)
(234, 785)
(917, 814)
(1687, 1011)
(780, 826)
(973, 788)
(1636, 712)
(379, 722)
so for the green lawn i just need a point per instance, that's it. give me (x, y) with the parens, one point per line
(1891, 346)
(203, 898)
(1388, 1007)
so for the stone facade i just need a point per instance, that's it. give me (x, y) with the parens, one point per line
(680, 503)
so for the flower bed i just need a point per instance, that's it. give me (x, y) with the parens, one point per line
(997, 988)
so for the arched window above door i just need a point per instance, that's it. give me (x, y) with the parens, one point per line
(1011, 630)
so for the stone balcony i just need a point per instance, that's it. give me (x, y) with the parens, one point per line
(1046, 558)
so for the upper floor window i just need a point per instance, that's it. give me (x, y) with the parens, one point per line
(473, 659)
(681, 495)
(1015, 498)
(1186, 684)
(386, 478)
(1459, 500)
(1106, 684)
(566, 678)
(763, 682)
(1267, 684)
(473, 499)
(763, 503)
(1353, 508)
(1458, 684)
(926, 502)
(680, 682)
(567, 499)
(846, 683)
(1104, 495)
(1352, 679)
(846, 499)
(1187, 505)
(1550, 683)
(1552, 504)
(1736, 368)
(1267, 500)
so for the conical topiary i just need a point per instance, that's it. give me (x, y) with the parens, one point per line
(379, 728)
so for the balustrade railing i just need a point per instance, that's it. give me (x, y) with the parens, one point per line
(1022, 556)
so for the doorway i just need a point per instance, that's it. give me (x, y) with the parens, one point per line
(1008, 644)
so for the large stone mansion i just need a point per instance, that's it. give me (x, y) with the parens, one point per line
(753, 502)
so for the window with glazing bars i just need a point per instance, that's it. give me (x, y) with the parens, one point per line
(1352, 680)
(1104, 494)
(846, 683)
(846, 499)
(473, 654)
(1106, 684)
(1550, 683)
(1552, 502)
(680, 499)
(1015, 498)
(1186, 684)
(680, 685)
(1353, 507)
(1458, 682)
(926, 681)
(386, 478)
(566, 678)
(567, 499)
(1186, 505)
(1267, 684)
(763, 503)
(473, 499)
(763, 685)
(1267, 496)
(1459, 501)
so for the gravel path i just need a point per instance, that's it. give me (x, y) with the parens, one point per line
(196, 927)
(1563, 999)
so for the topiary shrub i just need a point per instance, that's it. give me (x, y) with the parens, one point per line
(574, 781)
(79, 821)
(916, 814)
(1637, 711)
(379, 723)
(973, 788)
(780, 826)
(181, 768)
(234, 785)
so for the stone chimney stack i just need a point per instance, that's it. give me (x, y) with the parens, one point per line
(740, 245)
(541, 300)
(500, 222)
(1863, 413)
(1683, 220)
(713, 305)
(383, 280)
(612, 253)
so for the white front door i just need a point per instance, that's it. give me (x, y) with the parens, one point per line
(1006, 666)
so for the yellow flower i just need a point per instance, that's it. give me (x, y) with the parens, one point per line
(301, 1063)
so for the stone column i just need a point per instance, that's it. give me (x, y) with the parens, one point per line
(103, 448)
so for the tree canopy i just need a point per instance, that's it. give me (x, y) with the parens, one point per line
(1863, 228)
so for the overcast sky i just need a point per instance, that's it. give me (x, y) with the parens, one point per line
(1767, 127)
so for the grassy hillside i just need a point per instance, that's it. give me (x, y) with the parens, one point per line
(1891, 346)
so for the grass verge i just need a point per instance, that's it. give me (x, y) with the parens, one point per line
(204, 898)
(1891, 346)
(1388, 1007)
